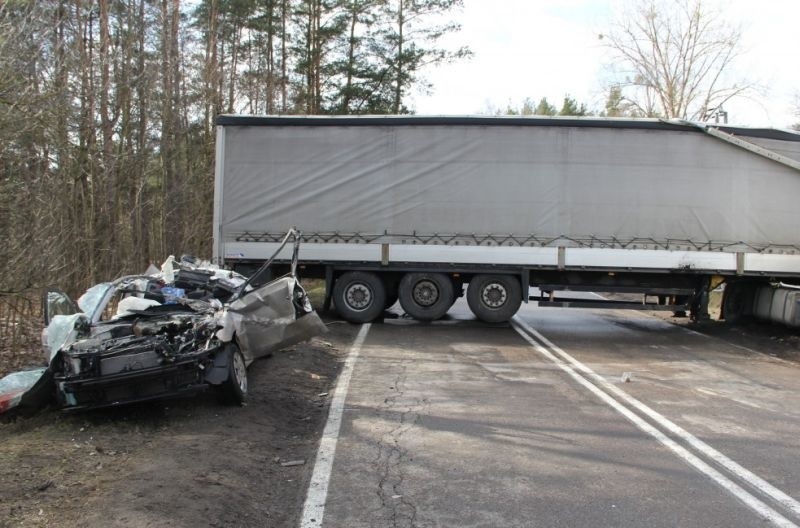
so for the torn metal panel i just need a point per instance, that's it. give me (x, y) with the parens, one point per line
(272, 317)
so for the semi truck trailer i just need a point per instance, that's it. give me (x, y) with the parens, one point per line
(508, 210)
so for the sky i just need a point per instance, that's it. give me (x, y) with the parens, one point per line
(550, 48)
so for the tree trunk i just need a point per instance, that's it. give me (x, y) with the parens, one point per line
(398, 90)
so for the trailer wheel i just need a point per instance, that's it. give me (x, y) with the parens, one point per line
(426, 296)
(494, 298)
(359, 296)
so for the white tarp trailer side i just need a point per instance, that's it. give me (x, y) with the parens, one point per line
(388, 195)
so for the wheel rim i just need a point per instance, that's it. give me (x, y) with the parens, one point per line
(240, 371)
(425, 293)
(358, 296)
(494, 295)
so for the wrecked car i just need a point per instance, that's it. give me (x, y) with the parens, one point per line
(180, 330)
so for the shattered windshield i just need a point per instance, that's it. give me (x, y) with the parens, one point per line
(90, 301)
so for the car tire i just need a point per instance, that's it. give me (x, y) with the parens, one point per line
(494, 298)
(359, 296)
(233, 391)
(426, 296)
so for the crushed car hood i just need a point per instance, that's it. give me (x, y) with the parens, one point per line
(161, 334)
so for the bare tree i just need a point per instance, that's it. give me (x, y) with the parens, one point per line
(675, 58)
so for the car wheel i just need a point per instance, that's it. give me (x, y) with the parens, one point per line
(426, 296)
(234, 389)
(494, 298)
(359, 296)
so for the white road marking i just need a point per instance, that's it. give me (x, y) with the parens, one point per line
(314, 507)
(751, 501)
(754, 480)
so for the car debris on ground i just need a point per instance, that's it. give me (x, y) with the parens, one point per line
(169, 332)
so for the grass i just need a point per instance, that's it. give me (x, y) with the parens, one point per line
(315, 288)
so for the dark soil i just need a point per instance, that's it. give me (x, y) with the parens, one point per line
(195, 462)
(190, 462)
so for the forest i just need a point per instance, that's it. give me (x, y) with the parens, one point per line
(107, 109)
(107, 114)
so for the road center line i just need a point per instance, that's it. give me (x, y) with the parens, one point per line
(740, 493)
(746, 475)
(314, 507)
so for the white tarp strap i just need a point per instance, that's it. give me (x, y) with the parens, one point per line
(741, 143)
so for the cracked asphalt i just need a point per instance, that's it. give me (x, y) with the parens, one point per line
(459, 423)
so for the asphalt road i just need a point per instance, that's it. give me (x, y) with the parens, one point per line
(463, 424)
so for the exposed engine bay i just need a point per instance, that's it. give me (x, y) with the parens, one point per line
(175, 331)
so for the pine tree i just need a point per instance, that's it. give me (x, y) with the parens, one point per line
(544, 108)
(570, 107)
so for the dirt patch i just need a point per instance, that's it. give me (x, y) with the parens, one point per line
(190, 462)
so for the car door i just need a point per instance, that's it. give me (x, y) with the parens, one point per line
(272, 317)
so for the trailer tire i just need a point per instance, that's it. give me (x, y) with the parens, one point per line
(426, 296)
(359, 296)
(494, 298)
